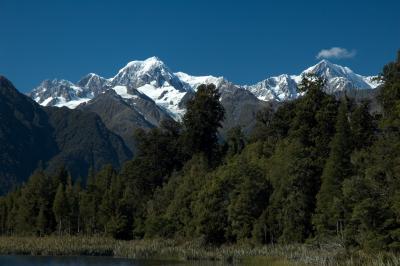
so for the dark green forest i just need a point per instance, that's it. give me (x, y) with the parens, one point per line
(316, 169)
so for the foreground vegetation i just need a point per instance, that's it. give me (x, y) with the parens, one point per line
(180, 250)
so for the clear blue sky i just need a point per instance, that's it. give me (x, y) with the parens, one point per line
(244, 41)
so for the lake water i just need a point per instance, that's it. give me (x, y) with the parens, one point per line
(18, 260)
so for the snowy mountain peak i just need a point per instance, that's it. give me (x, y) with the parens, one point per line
(143, 66)
(89, 79)
(150, 71)
(280, 88)
(49, 82)
(93, 84)
(338, 78)
(60, 93)
(154, 79)
(153, 60)
(327, 69)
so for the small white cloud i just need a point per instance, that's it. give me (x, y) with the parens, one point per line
(336, 52)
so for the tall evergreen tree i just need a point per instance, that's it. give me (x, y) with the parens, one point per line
(26, 212)
(60, 207)
(247, 200)
(329, 212)
(35, 195)
(3, 215)
(159, 153)
(202, 120)
(363, 126)
(179, 212)
(236, 140)
(389, 96)
(41, 222)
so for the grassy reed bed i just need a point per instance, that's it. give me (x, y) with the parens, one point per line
(192, 250)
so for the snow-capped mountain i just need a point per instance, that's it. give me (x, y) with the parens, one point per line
(65, 93)
(153, 79)
(338, 78)
(150, 77)
(93, 83)
(60, 93)
(279, 88)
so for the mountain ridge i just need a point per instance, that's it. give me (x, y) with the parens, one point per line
(32, 135)
(153, 78)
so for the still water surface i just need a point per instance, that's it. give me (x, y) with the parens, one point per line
(18, 260)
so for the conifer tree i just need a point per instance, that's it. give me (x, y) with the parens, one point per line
(3, 215)
(236, 140)
(88, 211)
(60, 207)
(41, 222)
(88, 206)
(209, 213)
(247, 201)
(329, 212)
(12, 211)
(389, 95)
(158, 153)
(74, 205)
(25, 216)
(179, 211)
(202, 120)
(363, 126)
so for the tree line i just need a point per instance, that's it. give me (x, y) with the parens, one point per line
(314, 169)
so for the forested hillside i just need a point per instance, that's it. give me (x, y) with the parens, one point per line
(316, 169)
(32, 135)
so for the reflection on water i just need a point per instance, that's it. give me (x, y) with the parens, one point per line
(87, 261)
(64, 261)
(18, 260)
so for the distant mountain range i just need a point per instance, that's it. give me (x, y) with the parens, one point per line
(152, 79)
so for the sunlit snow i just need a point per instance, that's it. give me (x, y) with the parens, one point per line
(167, 89)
